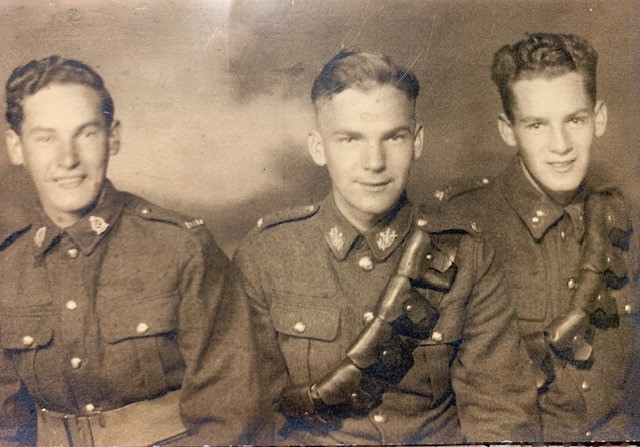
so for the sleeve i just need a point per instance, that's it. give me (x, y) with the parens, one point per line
(222, 399)
(17, 410)
(492, 378)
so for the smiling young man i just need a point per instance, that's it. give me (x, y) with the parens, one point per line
(332, 366)
(549, 237)
(104, 295)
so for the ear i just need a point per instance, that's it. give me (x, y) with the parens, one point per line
(114, 138)
(14, 147)
(316, 148)
(600, 111)
(505, 127)
(418, 141)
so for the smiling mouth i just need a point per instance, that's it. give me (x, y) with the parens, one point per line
(562, 166)
(69, 182)
(375, 186)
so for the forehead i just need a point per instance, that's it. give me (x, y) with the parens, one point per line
(377, 105)
(61, 106)
(545, 94)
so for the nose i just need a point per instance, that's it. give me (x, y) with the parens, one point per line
(68, 154)
(373, 157)
(560, 141)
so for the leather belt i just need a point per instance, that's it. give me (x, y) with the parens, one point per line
(142, 423)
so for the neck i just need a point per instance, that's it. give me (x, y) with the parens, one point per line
(561, 198)
(360, 220)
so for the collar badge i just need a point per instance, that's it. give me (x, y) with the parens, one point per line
(386, 238)
(98, 224)
(39, 237)
(337, 240)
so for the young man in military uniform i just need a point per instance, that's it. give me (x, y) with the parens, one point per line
(104, 296)
(358, 333)
(556, 246)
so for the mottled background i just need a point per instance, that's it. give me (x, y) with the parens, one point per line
(213, 95)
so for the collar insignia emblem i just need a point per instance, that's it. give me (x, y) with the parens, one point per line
(39, 237)
(98, 224)
(386, 238)
(337, 240)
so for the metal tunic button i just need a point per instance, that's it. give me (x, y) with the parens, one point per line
(563, 235)
(379, 417)
(141, 328)
(588, 434)
(71, 305)
(368, 317)
(627, 308)
(73, 253)
(585, 386)
(436, 336)
(571, 284)
(299, 327)
(366, 263)
(76, 362)
(145, 211)
(89, 408)
(27, 340)
(535, 219)
(422, 222)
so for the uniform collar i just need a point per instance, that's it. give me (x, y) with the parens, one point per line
(382, 239)
(536, 209)
(87, 232)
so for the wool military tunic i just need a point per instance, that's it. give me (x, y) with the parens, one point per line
(104, 313)
(538, 244)
(310, 281)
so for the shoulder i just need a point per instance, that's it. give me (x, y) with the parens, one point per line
(277, 232)
(463, 189)
(13, 224)
(286, 216)
(163, 220)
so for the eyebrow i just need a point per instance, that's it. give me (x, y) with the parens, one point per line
(528, 119)
(96, 123)
(385, 135)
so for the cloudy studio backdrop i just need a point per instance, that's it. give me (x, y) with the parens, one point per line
(214, 100)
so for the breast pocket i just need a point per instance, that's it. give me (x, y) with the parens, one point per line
(23, 331)
(308, 336)
(141, 333)
(433, 358)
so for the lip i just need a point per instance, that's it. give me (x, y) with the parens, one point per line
(70, 181)
(374, 185)
(562, 166)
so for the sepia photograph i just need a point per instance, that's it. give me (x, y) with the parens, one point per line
(319, 222)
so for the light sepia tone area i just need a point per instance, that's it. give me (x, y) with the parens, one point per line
(214, 100)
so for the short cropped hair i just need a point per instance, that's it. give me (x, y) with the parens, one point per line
(362, 70)
(38, 74)
(543, 54)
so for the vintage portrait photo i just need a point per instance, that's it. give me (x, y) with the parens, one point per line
(319, 222)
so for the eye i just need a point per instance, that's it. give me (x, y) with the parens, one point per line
(90, 133)
(43, 138)
(348, 139)
(534, 126)
(578, 120)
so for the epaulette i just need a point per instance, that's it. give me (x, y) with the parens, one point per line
(439, 219)
(149, 211)
(460, 187)
(287, 215)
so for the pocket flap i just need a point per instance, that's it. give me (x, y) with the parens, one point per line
(304, 320)
(26, 328)
(122, 319)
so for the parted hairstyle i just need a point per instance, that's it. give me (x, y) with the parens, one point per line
(546, 55)
(362, 70)
(38, 74)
